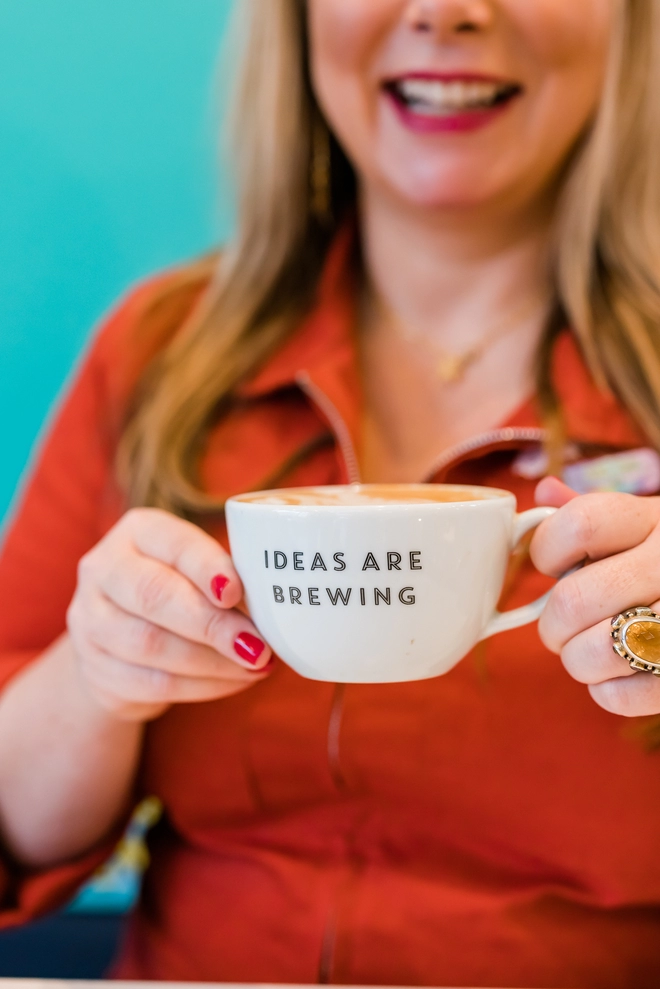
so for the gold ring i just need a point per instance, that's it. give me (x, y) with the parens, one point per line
(636, 635)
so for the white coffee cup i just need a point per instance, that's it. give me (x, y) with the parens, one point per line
(377, 583)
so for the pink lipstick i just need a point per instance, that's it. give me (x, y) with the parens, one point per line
(437, 103)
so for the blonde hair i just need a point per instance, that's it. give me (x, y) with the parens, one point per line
(247, 301)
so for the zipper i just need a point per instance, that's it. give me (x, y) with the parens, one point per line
(334, 730)
(319, 398)
(338, 426)
(326, 406)
(506, 434)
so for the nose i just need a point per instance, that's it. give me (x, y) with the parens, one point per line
(444, 18)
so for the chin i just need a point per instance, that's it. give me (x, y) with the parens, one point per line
(433, 190)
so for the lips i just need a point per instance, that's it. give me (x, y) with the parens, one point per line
(434, 102)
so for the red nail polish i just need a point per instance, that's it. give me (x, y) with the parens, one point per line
(267, 668)
(249, 647)
(218, 585)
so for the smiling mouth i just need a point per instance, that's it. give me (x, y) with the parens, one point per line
(435, 97)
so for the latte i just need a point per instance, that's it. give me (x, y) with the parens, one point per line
(369, 495)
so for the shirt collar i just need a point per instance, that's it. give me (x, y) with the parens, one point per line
(591, 414)
(325, 340)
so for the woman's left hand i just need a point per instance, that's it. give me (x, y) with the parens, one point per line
(618, 535)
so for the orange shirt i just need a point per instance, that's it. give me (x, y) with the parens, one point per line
(490, 827)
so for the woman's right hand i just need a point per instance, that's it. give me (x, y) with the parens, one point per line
(153, 621)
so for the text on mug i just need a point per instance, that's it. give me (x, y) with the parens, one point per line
(314, 595)
(389, 561)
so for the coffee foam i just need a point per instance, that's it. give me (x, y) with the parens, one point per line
(370, 494)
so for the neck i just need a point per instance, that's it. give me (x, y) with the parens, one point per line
(438, 272)
(437, 287)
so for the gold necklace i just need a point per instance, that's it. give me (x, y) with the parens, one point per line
(451, 366)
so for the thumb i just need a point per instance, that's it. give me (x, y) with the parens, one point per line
(553, 492)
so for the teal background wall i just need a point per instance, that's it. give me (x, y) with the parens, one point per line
(109, 117)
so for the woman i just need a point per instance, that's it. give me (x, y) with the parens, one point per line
(430, 193)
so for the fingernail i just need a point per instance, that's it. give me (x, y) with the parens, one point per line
(249, 647)
(265, 669)
(218, 585)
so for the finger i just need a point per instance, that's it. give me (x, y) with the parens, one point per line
(186, 548)
(590, 658)
(591, 527)
(142, 643)
(553, 492)
(601, 591)
(128, 683)
(631, 697)
(147, 589)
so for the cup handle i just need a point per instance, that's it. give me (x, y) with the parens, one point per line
(503, 621)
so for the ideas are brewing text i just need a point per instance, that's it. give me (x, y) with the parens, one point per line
(389, 561)
(314, 596)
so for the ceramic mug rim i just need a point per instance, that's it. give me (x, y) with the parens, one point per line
(257, 499)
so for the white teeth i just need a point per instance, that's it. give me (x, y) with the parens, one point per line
(434, 96)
